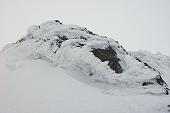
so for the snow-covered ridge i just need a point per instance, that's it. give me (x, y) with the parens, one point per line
(100, 58)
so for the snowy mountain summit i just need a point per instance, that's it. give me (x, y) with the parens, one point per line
(95, 60)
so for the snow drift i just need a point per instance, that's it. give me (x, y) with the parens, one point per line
(99, 59)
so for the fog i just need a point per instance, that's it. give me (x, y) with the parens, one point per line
(136, 24)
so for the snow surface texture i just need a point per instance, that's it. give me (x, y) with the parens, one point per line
(37, 86)
(73, 48)
(54, 69)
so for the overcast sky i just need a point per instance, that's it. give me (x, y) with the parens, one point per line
(136, 24)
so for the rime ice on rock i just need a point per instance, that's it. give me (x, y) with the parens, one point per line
(100, 58)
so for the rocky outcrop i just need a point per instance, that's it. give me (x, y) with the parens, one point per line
(101, 58)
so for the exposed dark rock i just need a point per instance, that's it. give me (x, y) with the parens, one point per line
(110, 55)
(159, 80)
(166, 91)
(90, 32)
(138, 59)
(21, 40)
(147, 65)
(57, 21)
(147, 83)
(90, 74)
(58, 42)
(63, 38)
(81, 37)
(117, 42)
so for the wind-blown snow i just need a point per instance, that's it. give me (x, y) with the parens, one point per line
(36, 86)
(53, 69)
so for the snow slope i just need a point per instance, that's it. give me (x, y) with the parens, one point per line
(37, 86)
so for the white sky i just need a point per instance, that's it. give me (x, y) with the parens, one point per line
(136, 24)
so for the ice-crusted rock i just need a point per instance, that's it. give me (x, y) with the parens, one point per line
(100, 58)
